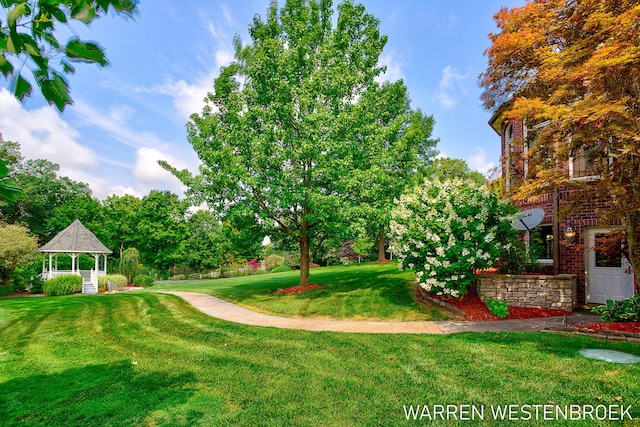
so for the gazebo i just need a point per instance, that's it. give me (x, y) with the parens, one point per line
(76, 240)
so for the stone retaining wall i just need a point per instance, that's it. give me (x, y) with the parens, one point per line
(557, 291)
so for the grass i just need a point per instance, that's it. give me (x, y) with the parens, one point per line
(141, 359)
(356, 292)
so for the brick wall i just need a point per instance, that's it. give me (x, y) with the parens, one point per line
(579, 210)
(529, 291)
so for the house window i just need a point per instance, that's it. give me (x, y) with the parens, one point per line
(582, 162)
(608, 248)
(531, 140)
(507, 137)
(541, 243)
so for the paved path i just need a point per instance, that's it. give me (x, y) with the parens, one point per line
(224, 310)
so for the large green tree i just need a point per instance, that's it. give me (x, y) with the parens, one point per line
(17, 247)
(290, 120)
(8, 189)
(398, 144)
(445, 168)
(9, 157)
(28, 41)
(574, 65)
(83, 207)
(206, 244)
(120, 223)
(161, 228)
(43, 190)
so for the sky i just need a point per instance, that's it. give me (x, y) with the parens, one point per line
(162, 64)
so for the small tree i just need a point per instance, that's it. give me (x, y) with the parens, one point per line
(447, 230)
(17, 247)
(130, 263)
(362, 247)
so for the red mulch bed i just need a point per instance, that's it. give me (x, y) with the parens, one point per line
(297, 289)
(633, 327)
(475, 309)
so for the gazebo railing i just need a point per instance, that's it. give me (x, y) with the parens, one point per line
(88, 276)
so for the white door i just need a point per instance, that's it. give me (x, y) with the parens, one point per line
(609, 274)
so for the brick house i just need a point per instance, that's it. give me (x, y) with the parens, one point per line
(569, 241)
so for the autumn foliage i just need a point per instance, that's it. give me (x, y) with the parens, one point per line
(574, 66)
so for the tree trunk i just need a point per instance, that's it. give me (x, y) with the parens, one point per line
(381, 255)
(304, 253)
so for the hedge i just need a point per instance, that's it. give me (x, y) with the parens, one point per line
(142, 280)
(63, 285)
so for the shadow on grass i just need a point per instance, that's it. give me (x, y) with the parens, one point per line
(387, 280)
(114, 394)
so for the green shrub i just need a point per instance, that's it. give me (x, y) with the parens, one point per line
(36, 286)
(272, 261)
(142, 280)
(625, 310)
(281, 268)
(178, 277)
(499, 308)
(118, 280)
(7, 290)
(518, 260)
(63, 285)
(230, 272)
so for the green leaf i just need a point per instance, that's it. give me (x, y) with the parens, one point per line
(52, 40)
(22, 89)
(54, 11)
(55, 90)
(14, 43)
(16, 13)
(5, 66)
(67, 67)
(7, 3)
(78, 50)
(30, 45)
(84, 14)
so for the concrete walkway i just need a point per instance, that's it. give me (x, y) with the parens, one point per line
(224, 310)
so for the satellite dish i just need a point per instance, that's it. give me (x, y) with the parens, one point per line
(528, 219)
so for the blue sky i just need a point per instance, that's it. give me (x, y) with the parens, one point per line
(163, 63)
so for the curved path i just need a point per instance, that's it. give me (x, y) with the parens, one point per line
(225, 310)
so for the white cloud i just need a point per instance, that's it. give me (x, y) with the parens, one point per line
(478, 161)
(451, 87)
(43, 134)
(394, 64)
(188, 98)
(115, 123)
(149, 172)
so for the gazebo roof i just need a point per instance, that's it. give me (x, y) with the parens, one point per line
(76, 238)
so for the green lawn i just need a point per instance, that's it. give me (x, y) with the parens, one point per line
(356, 292)
(151, 359)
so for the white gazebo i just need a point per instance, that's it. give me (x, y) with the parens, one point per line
(76, 240)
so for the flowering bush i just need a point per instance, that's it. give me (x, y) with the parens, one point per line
(446, 230)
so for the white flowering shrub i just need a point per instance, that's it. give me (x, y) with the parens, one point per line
(447, 230)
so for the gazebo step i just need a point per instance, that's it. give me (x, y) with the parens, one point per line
(88, 289)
